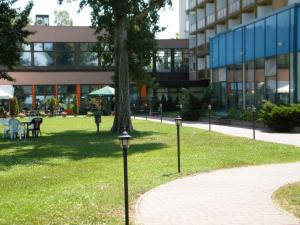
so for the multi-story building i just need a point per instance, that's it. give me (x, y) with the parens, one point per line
(60, 61)
(210, 17)
(258, 61)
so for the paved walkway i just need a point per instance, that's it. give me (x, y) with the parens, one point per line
(239, 196)
(261, 134)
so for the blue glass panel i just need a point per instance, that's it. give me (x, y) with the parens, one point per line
(222, 50)
(292, 33)
(229, 48)
(260, 39)
(298, 27)
(215, 51)
(271, 36)
(238, 45)
(249, 42)
(283, 32)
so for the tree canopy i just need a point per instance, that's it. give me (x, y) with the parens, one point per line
(12, 34)
(127, 41)
(62, 18)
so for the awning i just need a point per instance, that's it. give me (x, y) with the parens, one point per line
(105, 91)
(6, 91)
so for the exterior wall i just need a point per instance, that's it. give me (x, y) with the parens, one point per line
(258, 61)
(222, 15)
(67, 81)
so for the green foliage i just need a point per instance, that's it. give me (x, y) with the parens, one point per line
(2, 112)
(170, 104)
(195, 105)
(12, 23)
(62, 18)
(14, 107)
(52, 104)
(20, 95)
(74, 107)
(280, 117)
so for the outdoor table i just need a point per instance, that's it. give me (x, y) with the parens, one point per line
(27, 127)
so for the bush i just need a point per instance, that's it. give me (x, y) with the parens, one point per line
(280, 117)
(195, 105)
(52, 104)
(14, 110)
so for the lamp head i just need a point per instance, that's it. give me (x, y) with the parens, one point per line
(124, 139)
(178, 121)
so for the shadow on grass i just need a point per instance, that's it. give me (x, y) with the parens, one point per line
(72, 145)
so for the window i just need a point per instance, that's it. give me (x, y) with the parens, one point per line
(163, 61)
(259, 80)
(54, 54)
(270, 75)
(181, 61)
(283, 80)
(249, 84)
(25, 55)
(43, 93)
(88, 54)
(259, 39)
(66, 96)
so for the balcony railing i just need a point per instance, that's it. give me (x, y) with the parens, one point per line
(221, 13)
(193, 28)
(211, 18)
(193, 3)
(234, 7)
(201, 23)
(247, 3)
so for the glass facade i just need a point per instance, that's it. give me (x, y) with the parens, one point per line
(259, 60)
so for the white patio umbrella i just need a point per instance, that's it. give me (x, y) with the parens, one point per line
(6, 91)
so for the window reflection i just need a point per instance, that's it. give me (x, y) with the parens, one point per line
(163, 61)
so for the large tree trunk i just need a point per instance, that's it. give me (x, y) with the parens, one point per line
(122, 118)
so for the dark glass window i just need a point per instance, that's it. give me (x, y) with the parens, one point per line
(43, 59)
(88, 55)
(283, 32)
(259, 39)
(181, 60)
(271, 36)
(249, 42)
(163, 61)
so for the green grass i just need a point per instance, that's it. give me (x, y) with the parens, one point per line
(288, 197)
(72, 176)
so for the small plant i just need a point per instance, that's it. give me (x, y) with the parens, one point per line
(14, 110)
(281, 118)
(52, 104)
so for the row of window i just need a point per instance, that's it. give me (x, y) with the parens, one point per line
(271, 79)
(267, 37)
(84, 55)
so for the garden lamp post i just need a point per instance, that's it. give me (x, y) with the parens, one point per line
(134, 111)
(161, 112)
(146, 105)
(209, 116)
(124, 140)
(178, 122)
(253, 120)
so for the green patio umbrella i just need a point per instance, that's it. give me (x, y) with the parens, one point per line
(105, 91)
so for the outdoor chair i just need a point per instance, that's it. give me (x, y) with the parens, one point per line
(15, 128)
(35, 127)
(5, 125)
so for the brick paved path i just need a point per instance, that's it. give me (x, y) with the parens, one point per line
(239, 196)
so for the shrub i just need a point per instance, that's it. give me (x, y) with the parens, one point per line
(52, 103)
(280, 117)
(14, 111)
(195, 105)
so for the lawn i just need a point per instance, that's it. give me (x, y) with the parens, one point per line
(71, 175)
(288, 197)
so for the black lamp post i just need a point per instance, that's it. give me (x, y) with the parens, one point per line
(146, 111)
(253, 120)
(178, 122)
(124, 140)
(209, 116)
(161, 112)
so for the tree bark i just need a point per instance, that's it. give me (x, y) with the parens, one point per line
(122, 118)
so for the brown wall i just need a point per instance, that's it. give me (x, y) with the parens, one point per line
(29, 78)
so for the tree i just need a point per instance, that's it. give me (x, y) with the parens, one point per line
(62, 18)
(127, 39)
(12, 34)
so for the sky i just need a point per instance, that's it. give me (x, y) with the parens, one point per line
(169, 17)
